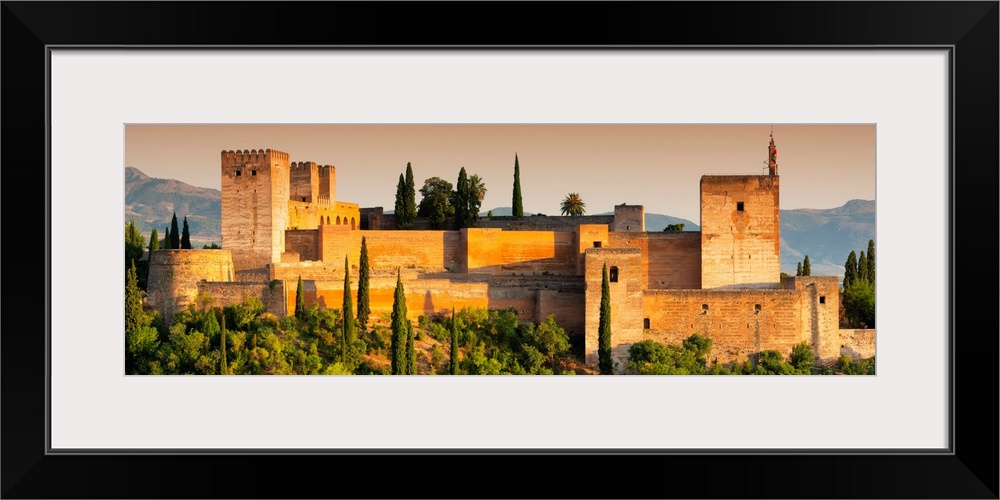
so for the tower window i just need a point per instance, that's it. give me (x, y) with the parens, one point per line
(756, 309)
(645, 323)
(303, 198)
(613, 274)
(253, 172)
(822, 299)
(627, 228)
(739, 206)
(239, 173)
(597, 244)
(704, 308)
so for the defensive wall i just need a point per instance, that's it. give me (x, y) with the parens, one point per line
(625, 286)
(669, 260)
(225, 294)
(857, 343)
(174, 276)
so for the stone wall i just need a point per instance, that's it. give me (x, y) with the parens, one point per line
(626, 302)
(304, 242)
(669, 260)
(174, 276)
(225, 294)
(740, 231)
(821, 299)
(858, 344)
(255, 190)
(543, 222)
(629, 218)
(391, 249)
(493, 251)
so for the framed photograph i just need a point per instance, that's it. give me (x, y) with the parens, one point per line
(925, 88)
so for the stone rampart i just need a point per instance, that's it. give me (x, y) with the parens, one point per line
(857, 343)
(174, 276)
(224, 294)
(669, 260)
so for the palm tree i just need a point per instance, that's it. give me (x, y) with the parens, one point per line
(573, 205)
(477, 192)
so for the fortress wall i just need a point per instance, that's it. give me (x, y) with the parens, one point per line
(305, 243)
(858, 344)
(821, 300)
(392, 249)
(669, 260)
(543, 222)
(739, 247)
(565, 306)
(231, 293)
(626, 302)
(174, 276)
(423, 297)
(302, 215)
(537, 252)
(731, 321)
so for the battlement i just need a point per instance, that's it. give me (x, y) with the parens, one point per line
(258, 156)
(302, 165)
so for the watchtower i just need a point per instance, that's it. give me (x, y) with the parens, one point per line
(255, 194)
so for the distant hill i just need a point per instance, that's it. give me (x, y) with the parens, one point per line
(827, 236)
(504, 212)
(151, 202)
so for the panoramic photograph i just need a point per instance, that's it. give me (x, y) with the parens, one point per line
(530, 249)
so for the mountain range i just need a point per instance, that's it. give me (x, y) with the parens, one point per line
(827, 236)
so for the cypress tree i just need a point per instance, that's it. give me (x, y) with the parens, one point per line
(133, 300)
(223, 368)
(399, 329)
(850, 270)
(175, 234)
(871, 261)
(186, 236)
(300, 301)
(154, 240)
(347, 314)
(410, 197)
(166, 238)
(605, 363)
(798, 269)
(411, 351)
(806, 268)
(461, 201)
(364, 275)
(862, 267)
(400, 206)
(454, 343)
(516, 204)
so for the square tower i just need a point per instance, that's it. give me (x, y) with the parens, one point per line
(255, 193)
(304, 181)
(328, 183)
(740, 232)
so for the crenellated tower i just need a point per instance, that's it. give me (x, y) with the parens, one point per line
(255, 194)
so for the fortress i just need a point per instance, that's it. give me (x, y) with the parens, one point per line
(281, 221)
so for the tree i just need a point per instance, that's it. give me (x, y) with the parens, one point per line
(186, 236)
(436, 202)
(154, 240)
(863, 267)
(134, 317)
(175, 234)
(223, 367)
(460, 200)
(871, 261)
(347, 314)
(798, 269)
(364, 275)
(605, 363)
(411, 351)
(399, 328)
(517, 208)
(859, 304)
(802, 356)
(850, 270)
(675, 228)
(806, 267)
(410, 196)
(573, 205)
(400, 206)
(477, 193)
(135, 243)
(166, 238)
(454, 343)
(300, 301)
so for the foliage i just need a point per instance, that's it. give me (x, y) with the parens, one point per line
(806, 267)
(859, 304)
(649, 357)
(409, 196)
(134, 316)
(435, 203)
(477, 193)
(453, 355)
(802, 356)
(300, 301)
(400, 331)
(517, 207)
(154, 240)
(859, 367)
(573, 205)
(166, 239)
(798, 269)
(213, 246)
(460, 201)
(175, 235)
(135, 247)
(605, 363)
(186, 235)
(850, 270)
(364, 276)
(674, 228)
(863, 267)
(411, 352)
(400, 205)
(871, 261)
(223, 366)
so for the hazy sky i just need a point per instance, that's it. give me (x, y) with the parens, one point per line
(659, 166)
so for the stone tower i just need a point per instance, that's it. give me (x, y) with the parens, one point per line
(740, 232)
(255, 194)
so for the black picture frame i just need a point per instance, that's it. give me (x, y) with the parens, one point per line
(969, 28)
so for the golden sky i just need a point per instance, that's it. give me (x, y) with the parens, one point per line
(659, 166)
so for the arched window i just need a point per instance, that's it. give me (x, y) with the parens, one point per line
(352, 223)
(338, 220)
(613, 274)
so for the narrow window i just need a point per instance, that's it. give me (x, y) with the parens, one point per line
(822, 299)
(627, 228)
(597, 244)
(756, 309)
(645, 323)
(239, 173)
(303, 198)
(704, 308)
(739, 206)
(613, 274)
(253, 172)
